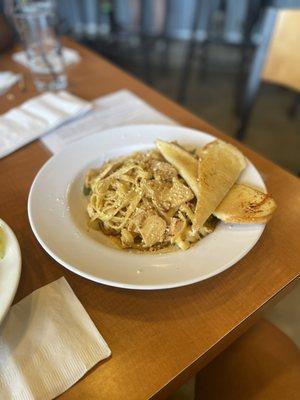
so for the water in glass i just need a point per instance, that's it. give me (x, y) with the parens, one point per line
(35, 22)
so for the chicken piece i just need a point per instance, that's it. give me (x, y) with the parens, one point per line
(136, 220)
(176, 195)
(127, 238)
(168, 195)
(163, 171)
(153, 230)
(154, 155)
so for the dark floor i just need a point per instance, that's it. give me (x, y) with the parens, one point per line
(211, 94)
(270, 132)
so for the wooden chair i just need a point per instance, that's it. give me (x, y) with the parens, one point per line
(263, 364)
(276, 60)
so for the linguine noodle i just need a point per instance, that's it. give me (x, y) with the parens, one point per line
(142, 203)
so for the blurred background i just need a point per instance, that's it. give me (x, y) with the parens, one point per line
(233, 63)
(201, 53)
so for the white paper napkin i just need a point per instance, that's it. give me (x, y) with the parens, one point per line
(8, 79)
(70, 56)
(47, 343)
(36, 117)
(115, 109)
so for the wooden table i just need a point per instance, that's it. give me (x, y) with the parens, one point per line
(158, 338)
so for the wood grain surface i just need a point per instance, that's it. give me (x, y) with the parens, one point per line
(158, 338)
(263, 364)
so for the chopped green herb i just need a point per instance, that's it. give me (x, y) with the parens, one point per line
(86, 190)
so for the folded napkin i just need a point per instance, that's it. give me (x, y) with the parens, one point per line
(7, 79)
(37, 116)
(70, 56)
(47, 343)
(115, 109)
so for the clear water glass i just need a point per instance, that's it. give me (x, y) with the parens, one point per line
(35, 22)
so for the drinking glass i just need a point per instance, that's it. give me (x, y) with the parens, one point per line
(35, 22)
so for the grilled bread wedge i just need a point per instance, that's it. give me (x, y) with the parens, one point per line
(246, 205)
(219, 166)
(242, 204)
(183, 161)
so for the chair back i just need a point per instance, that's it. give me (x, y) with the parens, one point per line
(282, 65)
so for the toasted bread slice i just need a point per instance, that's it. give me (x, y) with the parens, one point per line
(242, 204)
(246, 205)
(183, 161)
(219, 166)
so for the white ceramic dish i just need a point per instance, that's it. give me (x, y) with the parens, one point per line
(57, 216)
(10, 270)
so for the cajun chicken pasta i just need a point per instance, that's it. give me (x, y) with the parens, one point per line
(143, 203)
(156, 200)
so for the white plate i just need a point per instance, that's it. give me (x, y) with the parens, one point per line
(10, 270)
(57, 216)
